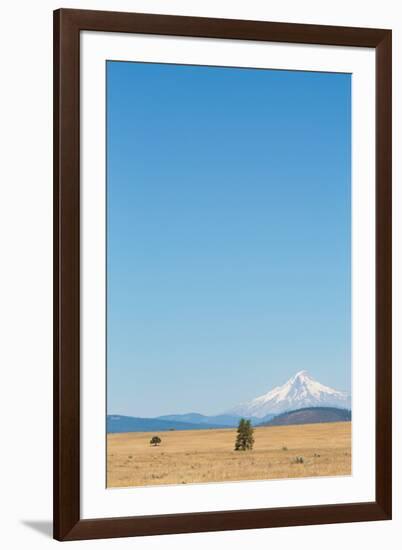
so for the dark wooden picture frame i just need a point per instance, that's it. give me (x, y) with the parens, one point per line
(67, 26)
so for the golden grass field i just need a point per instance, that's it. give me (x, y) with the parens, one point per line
(200, 456)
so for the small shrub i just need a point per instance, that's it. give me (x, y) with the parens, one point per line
(284, 448)
(299, 460)
(156, 440)
(316, 455)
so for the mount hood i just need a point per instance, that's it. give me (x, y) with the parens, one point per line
(298, 392)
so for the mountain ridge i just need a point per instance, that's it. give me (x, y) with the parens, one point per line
(310, 415)
(300, 391)
(118, 423)
(197, 418)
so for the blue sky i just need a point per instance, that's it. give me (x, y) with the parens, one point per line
(228, 241)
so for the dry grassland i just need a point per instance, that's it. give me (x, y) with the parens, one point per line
(200, 456)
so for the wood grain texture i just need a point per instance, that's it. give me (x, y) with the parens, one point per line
(67, 27)
(384, 273)
(66, 423)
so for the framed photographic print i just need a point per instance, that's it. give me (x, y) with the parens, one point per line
(222, 274)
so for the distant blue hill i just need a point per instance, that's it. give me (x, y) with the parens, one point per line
(220, 419)
(310, 415)
(195, 421)
(121, 424)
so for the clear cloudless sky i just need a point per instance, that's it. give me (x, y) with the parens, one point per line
(228, 234)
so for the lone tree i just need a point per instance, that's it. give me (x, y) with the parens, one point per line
(156, 440)
(244, 438)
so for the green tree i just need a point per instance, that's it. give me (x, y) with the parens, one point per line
(156, 440)
(245, 437)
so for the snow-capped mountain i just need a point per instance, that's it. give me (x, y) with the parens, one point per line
(298, 392)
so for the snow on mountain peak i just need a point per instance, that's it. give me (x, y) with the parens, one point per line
(298, 392)
(300, 376)
(301, 373)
